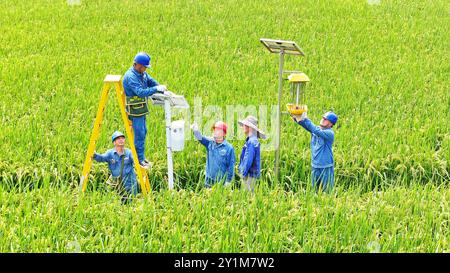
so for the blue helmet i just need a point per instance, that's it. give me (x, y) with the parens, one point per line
(116, 134)
(332, 117)
(143, 59)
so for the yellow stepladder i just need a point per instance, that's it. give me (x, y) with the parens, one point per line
(108, 83)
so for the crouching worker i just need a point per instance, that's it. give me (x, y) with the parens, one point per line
(120, 163)
(220, 155)
(250, 160)
(322, 138)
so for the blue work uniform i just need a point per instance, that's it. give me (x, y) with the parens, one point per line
(141, 85)
(250, 160)
(114, 161)
(321, 155)
(219, 160)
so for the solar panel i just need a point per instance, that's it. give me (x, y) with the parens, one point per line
(288, 47)
(176, 101)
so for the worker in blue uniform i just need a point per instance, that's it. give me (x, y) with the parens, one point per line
(138, 85)
(250, 159)
(120, 163)
(219, 155)
(322, 138)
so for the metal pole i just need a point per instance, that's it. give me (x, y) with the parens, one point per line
(168, 117)
(278, 136)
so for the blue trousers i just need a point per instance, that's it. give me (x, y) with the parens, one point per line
(209, 182)
(140, 132)
(131, 190)
(323, 178)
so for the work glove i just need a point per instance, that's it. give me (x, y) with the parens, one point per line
(161, 88)
(197, 135)
(194, 127)
(168, 93)
(303, 116)
(298, 118)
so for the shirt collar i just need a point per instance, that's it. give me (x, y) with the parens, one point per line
(115, 152)
(219, 144)
(251, 137)
(136, 72)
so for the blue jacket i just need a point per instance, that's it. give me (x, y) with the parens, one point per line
(321, 144)
(114, 163)
(250, 161)
(137, 84)
(219, 160)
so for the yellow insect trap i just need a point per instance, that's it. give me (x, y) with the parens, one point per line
(297, 83)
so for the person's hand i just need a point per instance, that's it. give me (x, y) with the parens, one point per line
(298, 118)
(161, 88)
(295, 117)
(168, 93)
(194, 127)
(303, 116)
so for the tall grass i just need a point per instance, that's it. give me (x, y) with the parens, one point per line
(382, 68)
(400, 219)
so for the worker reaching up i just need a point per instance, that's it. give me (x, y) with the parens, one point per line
(219, 155)
(139, 85)
(322, 138)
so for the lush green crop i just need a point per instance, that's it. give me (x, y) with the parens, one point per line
(383, 68)
(399, 219)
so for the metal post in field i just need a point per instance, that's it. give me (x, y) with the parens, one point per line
(278, 136)
(281, 47)
(168, 117)
(169, 101)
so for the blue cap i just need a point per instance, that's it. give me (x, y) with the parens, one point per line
(116, 134)
(143, 59)
(332, 117)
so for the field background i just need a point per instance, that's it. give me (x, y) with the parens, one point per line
(383, 68)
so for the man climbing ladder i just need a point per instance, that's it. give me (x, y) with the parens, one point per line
(109, 82)
(138, 85)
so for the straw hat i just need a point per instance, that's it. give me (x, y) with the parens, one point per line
(252, 122)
